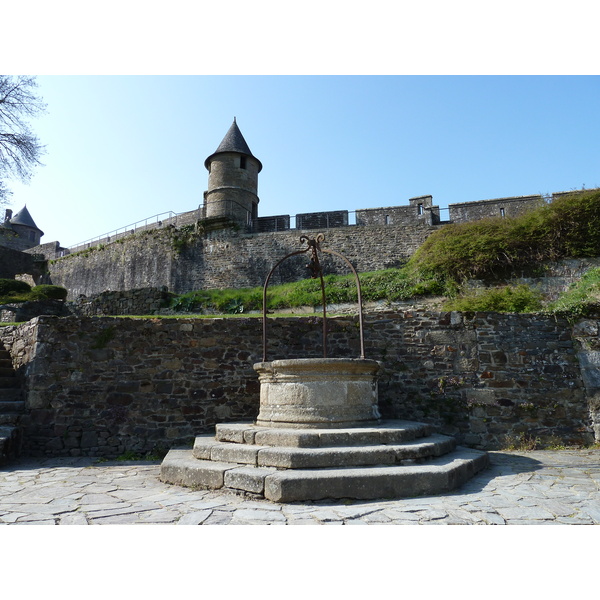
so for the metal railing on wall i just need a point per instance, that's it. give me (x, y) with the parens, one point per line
(317, 220)
(161, 219)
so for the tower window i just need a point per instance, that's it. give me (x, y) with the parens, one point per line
(420, 209)
(387, 219)
(502, 212)
(242, 162)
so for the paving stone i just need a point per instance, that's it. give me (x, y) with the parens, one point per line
(194, 518)
(99, 499)
(491, 518)
(577, 520)
(11, 517)
(218, 518)
(591, 511)
(304, 522)
(75, 518)
(159, 516)
(376, 517)
(402, 515)
(352, 512)
(525, 513)
(254, 514)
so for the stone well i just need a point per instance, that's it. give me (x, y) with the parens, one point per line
(318, 393)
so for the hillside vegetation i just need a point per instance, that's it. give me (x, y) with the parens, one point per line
(491, 249)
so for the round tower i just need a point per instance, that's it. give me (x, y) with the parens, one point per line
(232, 180)
(26, 233)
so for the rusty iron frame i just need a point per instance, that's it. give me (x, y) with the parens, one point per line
(313, 245)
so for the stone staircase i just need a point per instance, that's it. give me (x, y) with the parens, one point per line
(11, 408)
(393, 459)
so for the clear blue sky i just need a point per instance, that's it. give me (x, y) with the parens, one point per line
(376, 107)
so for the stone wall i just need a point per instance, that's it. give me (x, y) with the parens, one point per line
(420, 210)
(137, 261)
(145, 301)
(103, 386)
(499, 207)
(187, 260)
(14, 262)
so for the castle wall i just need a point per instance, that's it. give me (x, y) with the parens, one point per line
(103, 386)
(13, 262)
(499, 207)
(136, 261)
(184, 261)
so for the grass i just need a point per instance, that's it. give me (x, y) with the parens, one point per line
(581, 300)
(387, 285)
(505, 299)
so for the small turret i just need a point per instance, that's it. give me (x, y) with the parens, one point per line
(26, 233)
(232, 180)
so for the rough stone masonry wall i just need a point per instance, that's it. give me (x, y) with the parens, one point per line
(13, 262)
(103, 386)
(137, 261)
(225, 259)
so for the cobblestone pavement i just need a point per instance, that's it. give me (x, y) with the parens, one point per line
(520, 488)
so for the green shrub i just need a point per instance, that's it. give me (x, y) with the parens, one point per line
(13, 286)
(48, 292)
(496, 247)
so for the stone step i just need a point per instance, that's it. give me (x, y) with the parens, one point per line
(6, 363)
(8, 382)
(7, 371)
(439, 475)
(14, 394)
(11, 406)
(285, 457)
(10, 443)
(10, 419)
(387, 432)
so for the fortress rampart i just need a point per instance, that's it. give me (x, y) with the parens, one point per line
(187, 252)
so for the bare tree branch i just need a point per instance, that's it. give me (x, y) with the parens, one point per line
(20, 150)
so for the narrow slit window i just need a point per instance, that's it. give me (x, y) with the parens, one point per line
(242, 162)
(387, 219)
(420, 209)
(502, 213)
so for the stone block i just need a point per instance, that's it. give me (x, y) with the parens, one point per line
(235, 453)
(89, 439)
(233, 432)
(179, 467)
(247, 479)
(312, 458)
(287, 437)
(203, 445)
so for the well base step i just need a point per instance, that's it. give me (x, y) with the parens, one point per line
(395, 459)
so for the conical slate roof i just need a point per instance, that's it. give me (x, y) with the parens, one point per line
(233, 142)
(24, 218)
